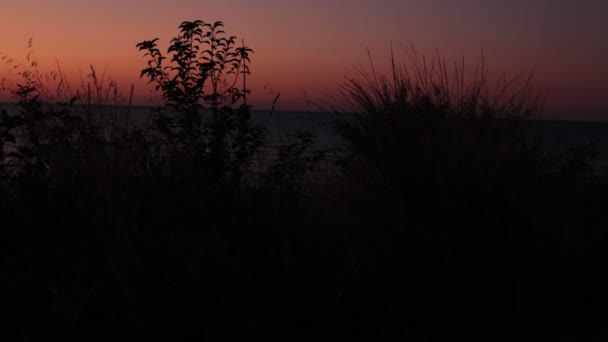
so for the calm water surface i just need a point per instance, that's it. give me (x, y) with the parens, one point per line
(282, 126)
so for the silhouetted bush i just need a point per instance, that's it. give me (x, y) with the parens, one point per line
(472, 225)
(110, 230)
(443, 220)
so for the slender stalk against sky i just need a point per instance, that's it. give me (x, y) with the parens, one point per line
(304, 48)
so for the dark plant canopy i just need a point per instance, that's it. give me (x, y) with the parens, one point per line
(434, 219)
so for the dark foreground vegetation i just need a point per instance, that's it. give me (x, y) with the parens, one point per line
(442, 222)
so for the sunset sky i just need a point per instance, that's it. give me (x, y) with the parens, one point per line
(303, 49)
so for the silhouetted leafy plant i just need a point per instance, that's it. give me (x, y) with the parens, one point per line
(201, 78)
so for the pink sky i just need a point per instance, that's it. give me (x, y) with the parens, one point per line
(304, 48)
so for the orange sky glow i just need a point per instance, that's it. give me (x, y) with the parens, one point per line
(303, 49)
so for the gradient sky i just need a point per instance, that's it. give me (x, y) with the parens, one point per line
(303, 48)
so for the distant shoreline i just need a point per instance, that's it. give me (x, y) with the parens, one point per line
(546, 118)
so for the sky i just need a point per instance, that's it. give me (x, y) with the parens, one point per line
(304, 48)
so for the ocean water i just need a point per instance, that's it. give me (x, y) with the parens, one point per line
(282, 127)
(560, 136)
(555, 136)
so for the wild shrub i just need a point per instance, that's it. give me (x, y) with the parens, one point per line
(465, 214)
(208, 113)
(425, 134)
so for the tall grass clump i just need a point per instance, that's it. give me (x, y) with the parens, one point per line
(472, 218)
(426, 133)
(59, 167)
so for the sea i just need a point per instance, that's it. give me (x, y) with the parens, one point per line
(281, 128)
